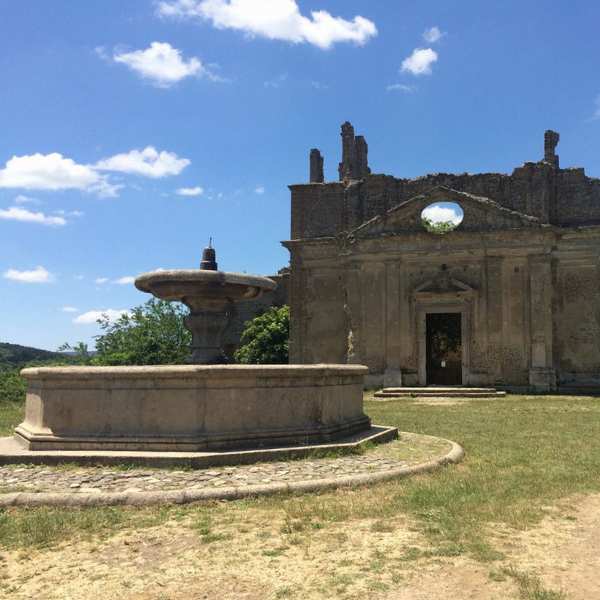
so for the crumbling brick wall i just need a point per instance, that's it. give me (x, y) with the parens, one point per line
(563, 197)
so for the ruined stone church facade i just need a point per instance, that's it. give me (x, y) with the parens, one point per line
(515, 287)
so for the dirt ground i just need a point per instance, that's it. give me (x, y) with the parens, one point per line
(258, 561)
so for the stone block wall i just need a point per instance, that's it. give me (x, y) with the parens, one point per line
(538, 189)
(523, 269)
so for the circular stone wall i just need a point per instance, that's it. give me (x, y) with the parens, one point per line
(190, 408)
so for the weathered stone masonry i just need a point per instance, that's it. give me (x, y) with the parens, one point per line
(522, 269)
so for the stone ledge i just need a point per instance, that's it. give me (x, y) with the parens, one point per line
(40, 441)
(183, 496)
(197, 371)
(12, 452)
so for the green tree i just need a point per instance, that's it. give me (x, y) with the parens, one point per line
(150, 334)
(265, 338)
(438, 226)
(12, 386)
(78, 353)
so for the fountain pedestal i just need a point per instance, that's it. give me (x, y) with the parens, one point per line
(207, 327)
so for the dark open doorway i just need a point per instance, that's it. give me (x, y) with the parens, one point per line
(444, 349)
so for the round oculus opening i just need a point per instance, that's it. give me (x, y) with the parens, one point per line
(442, 217)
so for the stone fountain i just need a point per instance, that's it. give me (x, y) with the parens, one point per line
(210, 295)
(117, 414)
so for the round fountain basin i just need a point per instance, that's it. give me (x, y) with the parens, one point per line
(190, 408)
(198, 288)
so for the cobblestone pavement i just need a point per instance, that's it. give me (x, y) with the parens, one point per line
(409, 450)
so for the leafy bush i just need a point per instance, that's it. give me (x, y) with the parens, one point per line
(78, 354)
(151, 334)
(12, 386)
(439, 226)
(265, 338)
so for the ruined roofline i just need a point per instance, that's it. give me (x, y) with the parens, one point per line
(294, 186)
(525, 165)
(354, 166)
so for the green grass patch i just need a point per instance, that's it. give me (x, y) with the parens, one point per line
(12, 400)
(531, 587)
(523, 454)
(11, 414)
(45, 527)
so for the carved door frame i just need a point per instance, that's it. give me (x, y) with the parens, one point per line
(444, 294)
(462, 306)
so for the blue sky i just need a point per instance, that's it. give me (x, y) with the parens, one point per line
(109, 109)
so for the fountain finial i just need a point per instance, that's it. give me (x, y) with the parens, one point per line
(209, 258)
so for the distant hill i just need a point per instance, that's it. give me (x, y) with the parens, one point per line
(15, 356)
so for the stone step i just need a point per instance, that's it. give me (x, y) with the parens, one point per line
(439, 392)
(439, 388)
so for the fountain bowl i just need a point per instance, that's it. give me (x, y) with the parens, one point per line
(199, 289)
(210, 295)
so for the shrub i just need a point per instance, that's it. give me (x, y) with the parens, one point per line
(151, 334)
(265, 338)
(12, 386)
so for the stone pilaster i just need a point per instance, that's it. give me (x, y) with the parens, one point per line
(495, 319)
(297, 302)
(542, 376)
(353, 308)
(392, 376)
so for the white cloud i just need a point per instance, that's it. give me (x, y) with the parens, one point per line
(433, 35)
(91, 316)
(441, 214)
(21, 199)
(127, 280)
(101, 52)
(420, 61)
(402, 87)
(148, 162)
(17, 213)
(190, 191)
(53, 172)
(37, 275)
(277, 82)
(100, 280)
(260, 189)
(273, 19)
(69, 213)
(69, 309)
(162, 64)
